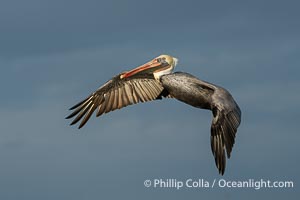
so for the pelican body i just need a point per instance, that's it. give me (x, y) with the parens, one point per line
(155, 80)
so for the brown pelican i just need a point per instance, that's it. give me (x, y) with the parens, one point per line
(155, 80)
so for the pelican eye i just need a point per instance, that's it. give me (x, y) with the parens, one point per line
(161, 60)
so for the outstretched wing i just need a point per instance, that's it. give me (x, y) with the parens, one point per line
(116, 94)
(227, 118)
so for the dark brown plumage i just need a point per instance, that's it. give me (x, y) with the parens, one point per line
(227, 114)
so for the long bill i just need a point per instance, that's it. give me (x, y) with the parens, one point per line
(146, 66)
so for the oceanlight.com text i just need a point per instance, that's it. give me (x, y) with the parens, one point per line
(220, 183)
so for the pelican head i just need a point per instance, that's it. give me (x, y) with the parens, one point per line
(168, 59)
(168, 65)
(161, 65)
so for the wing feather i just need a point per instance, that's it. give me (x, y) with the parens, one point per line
(129, 93)
(144, 91)
(88, 115)
(139, 92)
(223, 130)
(134, 95)
(81, 113)
(101, 107)
(124, 97)
(120, 101)
(116, 100)
(150, 89)
(109, 101)
(116, 94)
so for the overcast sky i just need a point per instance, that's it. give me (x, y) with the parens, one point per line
(54, 53)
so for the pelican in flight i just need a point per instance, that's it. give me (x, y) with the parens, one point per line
(155, 80)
